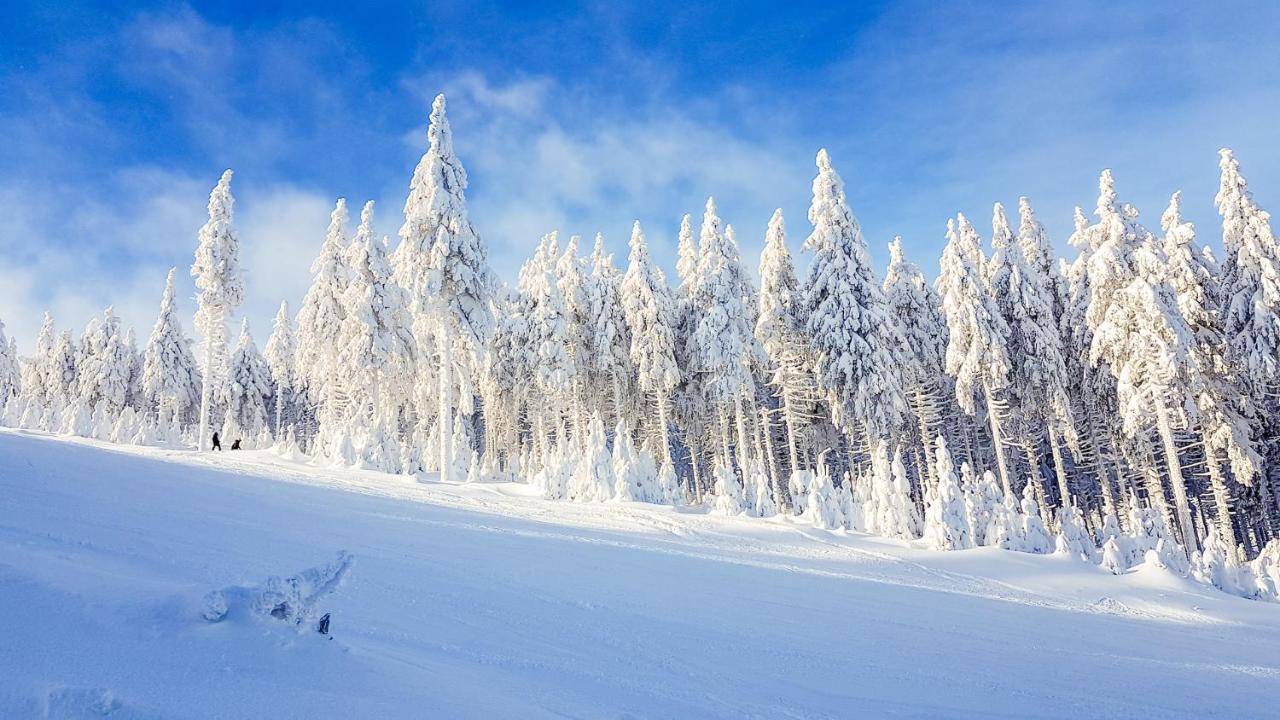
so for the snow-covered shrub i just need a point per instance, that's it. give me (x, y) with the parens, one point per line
(1073, 538)
(946, 526)
(593, 478)
(1035, 539)
(292, 599)
(728, 494)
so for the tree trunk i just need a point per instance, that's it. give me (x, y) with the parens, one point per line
(1100, 469)
(1221, 500)
(789, 419)
(663, 440)
(1059, 469)
(926, 437)
(997, 439)
(445, 420)
(778, 496)
(1175, 477)
(207, 381)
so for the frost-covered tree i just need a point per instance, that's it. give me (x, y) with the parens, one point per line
(1250, 292)
(609, 339)
(781, 332)
(1025, 297)
(376, 352)
(221, 290)
(722, 344)
(593, 479)
(104, 366)
(320, 322)
(441, 262)
(10, 380)
(573, 281)
(648, 307)
(856, 343)
(946, 526)
(279, 353)
(170, 379)
(1212, 388)
(977, 348)
(918, 311)
(248, 388)
(36, 371)
(1140, 335)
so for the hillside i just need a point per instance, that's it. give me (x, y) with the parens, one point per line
(483, 601)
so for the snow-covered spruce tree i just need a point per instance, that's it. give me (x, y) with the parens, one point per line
(555, 368)
(918, 310)
(1215, 391)
(1026, 297)
(35, 372)
(722, 344)
(507, 385)
(104, 366)
(441, 262)
(946, 526)
(609, 355)
(648, 307)
(781, 332)
(221, 290)
(1093, 392)
(10, 381)
(572, 281)
(689, 408)
(977, 347)
(1073, 538)
(857, 345)
(62, 370)
(376, 353)
(319, 336)
(170, 380)
(593, 479)
(279, 353)
(1250, 287)
(1139, 333)
(248, 388)
(134, 395)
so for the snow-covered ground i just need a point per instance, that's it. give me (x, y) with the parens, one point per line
(482, 601)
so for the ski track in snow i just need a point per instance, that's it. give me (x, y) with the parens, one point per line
(487, 601)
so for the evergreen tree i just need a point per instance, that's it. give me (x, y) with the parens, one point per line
(609, 339)
(221, 290)
(977, 348)
(648, 307)
(279, 353)
(104, 367)
(320, 322)
(10, 381)
(248, 389)
(781, 331)
(856, 344)
(441, 263)
(170, 380)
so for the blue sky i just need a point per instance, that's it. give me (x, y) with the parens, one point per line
(114, 124)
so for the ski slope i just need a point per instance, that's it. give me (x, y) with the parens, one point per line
(482, 601)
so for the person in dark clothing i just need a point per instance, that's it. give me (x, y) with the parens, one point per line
(236, 445)
(217, 444)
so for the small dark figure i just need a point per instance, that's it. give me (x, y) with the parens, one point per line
(217, 444)
(236, 445)
(323, 626)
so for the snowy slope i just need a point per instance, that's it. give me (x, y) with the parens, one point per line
(480, 601)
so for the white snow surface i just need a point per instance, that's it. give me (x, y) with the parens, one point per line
(486, 601)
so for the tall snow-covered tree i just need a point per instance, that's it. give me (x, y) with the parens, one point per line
(170, 379)
(916, 307)
(441, 263)
(609, 339)
(572, 279)
(1025, 297)
(248, 387)
(221, 290)
(320, 323)
(781, 331)
(856, 342)
(977, 347)
(1139, 333)
(279, 353)
(102, 373)
(35, 372)
(1250, 288)
(1213, 388)
(722, 343)
(649, 309)
(377, 349)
